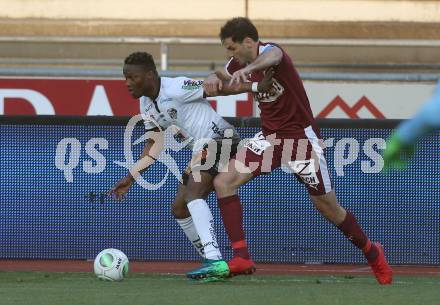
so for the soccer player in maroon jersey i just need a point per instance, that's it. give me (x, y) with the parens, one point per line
(289, 136)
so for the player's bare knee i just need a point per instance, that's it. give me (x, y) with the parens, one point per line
(222, 185)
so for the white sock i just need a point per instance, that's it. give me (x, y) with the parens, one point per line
(188, 227)
(204, 223)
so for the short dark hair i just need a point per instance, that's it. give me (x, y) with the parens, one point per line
(142, 59)
(238, 29)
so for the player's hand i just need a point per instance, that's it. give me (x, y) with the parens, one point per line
(240, 76)
(266, 83)
(396, 155)
(212, 85)
(121, 188)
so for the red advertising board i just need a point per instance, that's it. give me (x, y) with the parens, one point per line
(64, 96)
(89, 97)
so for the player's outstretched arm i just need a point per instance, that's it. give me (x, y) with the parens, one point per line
(151, 151)
(213, 84)
(222, 75)
(264, 85)
(267, 59)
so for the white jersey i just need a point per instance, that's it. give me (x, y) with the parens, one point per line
(181, 103)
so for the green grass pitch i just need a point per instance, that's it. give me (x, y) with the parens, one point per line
(38, 288)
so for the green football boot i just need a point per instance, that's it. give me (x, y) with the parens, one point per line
(210, 271)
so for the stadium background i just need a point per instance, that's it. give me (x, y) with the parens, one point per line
(48, 214)
(392, 43)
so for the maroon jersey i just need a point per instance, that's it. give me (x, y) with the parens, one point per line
(286, 111)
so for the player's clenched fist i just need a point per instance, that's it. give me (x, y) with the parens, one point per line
(212, 85)
(121, 188)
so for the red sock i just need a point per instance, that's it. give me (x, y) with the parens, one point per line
(354, 233)
(232, 215)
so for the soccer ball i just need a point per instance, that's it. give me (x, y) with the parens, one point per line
(111, 265)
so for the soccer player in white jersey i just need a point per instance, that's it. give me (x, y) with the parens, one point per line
(181, 102)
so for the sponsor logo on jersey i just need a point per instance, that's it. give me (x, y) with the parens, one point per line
(168, 99)
(216, 129)
(172, 113)
(148, 107)
(267, 97)
(258, 144)
(192, 84)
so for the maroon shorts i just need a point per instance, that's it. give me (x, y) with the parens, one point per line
(302, 155)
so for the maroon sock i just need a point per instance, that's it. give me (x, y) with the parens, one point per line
(370, 251)
(354, 233)
(232, 215)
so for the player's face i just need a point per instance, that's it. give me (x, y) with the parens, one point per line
(138, 80)
(240, 51)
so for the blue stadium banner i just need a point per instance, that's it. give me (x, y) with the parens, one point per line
(55, 174)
